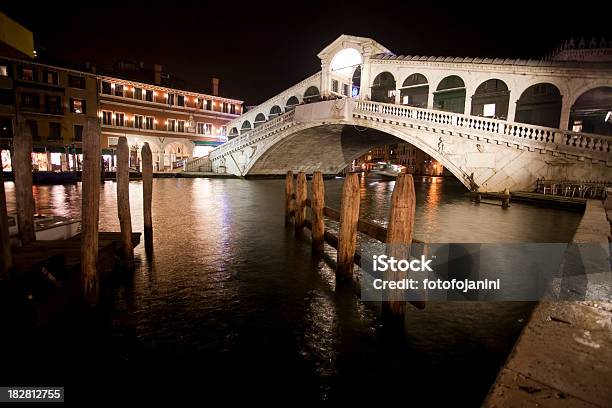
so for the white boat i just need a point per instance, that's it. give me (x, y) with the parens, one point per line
(47, 227)
(386, 170)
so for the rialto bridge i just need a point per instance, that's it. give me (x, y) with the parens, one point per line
(493, 123)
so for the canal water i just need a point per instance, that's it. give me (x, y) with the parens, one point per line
(231, 306)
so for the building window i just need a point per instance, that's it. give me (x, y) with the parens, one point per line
(78, 133)
(180, 100)
(149, 122)
(149, 95)
(138, 93)
(171, 125)
(55, 131)
(27, 74)
(170, 99)
(53, 104)
(233, 109)
(334, 85)
(33, 125)
(106, 88)
(51, 77)
(78, 105)
(107, 118)
(345, 89)
(200, 128)
(3, 70)
(76, 81)
(30, 100)
(181, 126)
(118, 90)
(119, 119)
(208, 129)
(138, 121)
(209, 104)
(201, 103)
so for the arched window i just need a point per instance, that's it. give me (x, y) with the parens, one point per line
(491, 99)
(415, 91)
(246, 126)
(291, 103)
(259, 119)
(233, 133)
(383, 88)
(312, 94)
(450, 95)
(588, 113)
(540, 104)
(275, 111)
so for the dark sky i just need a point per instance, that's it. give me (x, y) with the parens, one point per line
(259, 48)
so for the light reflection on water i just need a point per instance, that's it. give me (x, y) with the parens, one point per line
(229, 290)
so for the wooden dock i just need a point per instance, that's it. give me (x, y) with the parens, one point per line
(547, 200)
(46, 274)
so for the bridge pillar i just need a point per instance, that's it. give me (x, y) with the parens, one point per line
(430, 98)
(565, 113)
(364, 90)
(511, 110)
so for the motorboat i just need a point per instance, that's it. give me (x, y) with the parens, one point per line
(386, 170)
(47, 227)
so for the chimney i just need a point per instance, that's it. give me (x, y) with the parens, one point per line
(215, 86)
(158, 73)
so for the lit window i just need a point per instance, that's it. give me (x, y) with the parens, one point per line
(119, 119)
(577, 126)
(138, 93)
(149, 122)
(208, 129)
(181, 125)
(138, 121)
(3, 70)
(488, 110)
(77, 105)
(201, 128)
(172, 125)
(149, 95)
(107, 118)
(51, 77)
(335, 86)
(181, 100)
(27, 74)
(170, 99)
(118, 90)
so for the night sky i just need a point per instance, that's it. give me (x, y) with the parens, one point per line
(260, 48)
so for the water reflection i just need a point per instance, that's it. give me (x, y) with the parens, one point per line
(231, 291)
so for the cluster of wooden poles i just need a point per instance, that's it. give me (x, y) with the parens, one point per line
(91, 179)
(398, 233)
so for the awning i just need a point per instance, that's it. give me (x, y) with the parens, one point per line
(108, 151)
(207, 143)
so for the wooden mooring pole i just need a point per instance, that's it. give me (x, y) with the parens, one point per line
(123, 200)
(318, 209)
(90, 202)
(506, 198)
(7, 260)
(22, 163)
(147, 194)
(349, 218)
(301, 194)
(288, 196)
(399, 237)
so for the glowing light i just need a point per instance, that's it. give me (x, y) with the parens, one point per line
(345, 62)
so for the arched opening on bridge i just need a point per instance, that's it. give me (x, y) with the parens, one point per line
(415, 91)
(450, 95)
(491, 99)
(246, 126)
(589, 112)
(356, 81)
(312, 94)
(275, 111)
(343, 70)
(540, 104)
(259, 119)
(233, 132)
(292, 103)
(383, 88)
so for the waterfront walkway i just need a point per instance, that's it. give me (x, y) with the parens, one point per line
(563, 358)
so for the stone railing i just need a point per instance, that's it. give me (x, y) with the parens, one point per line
(265, 106)
(600, 145)
(197, 163)
(250, 136)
